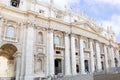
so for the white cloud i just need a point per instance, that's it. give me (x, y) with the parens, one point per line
(112, 2)
(114, 22)
(61, 3)
(115, 3)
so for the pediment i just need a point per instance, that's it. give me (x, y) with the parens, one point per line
(87, 26)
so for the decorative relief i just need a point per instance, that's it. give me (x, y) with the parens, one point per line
(42, 23)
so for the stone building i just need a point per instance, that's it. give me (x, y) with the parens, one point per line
(39, 41)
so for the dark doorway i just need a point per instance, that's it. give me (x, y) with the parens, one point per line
(58, 66)
(77, 68)
(86, 66)
(116, 62)
(102, 63)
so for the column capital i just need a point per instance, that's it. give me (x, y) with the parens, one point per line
(104, 44)
(90, 39)
(72, 35)
(81, 37)
(50, 30)
(30, 24)
(66, 33)
(18, 54)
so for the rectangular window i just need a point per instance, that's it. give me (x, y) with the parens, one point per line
(58, 52)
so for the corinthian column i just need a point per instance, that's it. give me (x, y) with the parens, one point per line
(92, 57)
(82, 64)
(18, 64)
(51, 52)
(106, 57)
(118, 58)
(67, 54)
(1, 22)
(112, 57)
(73, 56)
(29, 58)
(98, 56)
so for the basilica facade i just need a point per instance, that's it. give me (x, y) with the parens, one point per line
(39, 41)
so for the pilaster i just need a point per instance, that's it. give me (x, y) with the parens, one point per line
(50, 52)
(98, 56)
(73, 56)
(1, 23)
(106, 57)
(29, 52)
(82, 64)
(18, 65)
(67, 54)
(24, 31)
(92, 56)
(112, 56)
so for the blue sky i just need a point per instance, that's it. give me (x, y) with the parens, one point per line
(106, 12)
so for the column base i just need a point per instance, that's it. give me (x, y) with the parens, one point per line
(28, 77)
(21, 78)
(83, 72)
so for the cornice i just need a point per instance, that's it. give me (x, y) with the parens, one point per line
(14, 9)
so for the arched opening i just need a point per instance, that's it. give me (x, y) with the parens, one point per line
(7, 53)
(84, 44)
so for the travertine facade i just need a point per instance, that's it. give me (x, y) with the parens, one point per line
(38, 41)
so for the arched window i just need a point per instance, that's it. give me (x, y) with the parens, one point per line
(84, 44)
(76, 43)
(40, 37)
(10, 32)
(57, 40)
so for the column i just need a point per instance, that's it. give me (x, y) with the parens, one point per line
(92, 57)
(67, 54)
(118, 58)
(82, 64)
(98, 56)
(1, 22)
(29, 56)
(23, 33)
(51, 52)
(73, 56)
(18, 64)
(106, 57)
(112, 57)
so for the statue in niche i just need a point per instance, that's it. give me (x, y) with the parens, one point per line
(37, 64)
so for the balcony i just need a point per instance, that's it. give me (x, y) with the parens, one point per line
(86, 49)
(60, 47)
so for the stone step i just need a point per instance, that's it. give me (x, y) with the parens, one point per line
(76, 77)
(107, 77)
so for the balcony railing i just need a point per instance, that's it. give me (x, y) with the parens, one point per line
(7, 78)
(87, 49)
(58, 46)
